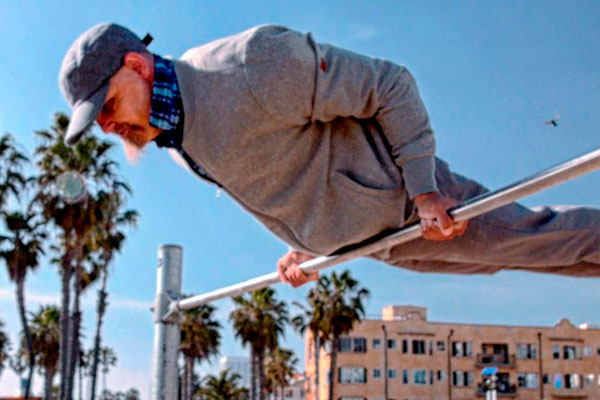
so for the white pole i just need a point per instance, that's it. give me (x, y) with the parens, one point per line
(166, 333)
(471, 208)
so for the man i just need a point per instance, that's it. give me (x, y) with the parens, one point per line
(327, 148)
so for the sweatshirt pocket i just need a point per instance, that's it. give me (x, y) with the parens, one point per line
(359, 185)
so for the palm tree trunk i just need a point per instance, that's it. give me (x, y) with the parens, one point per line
(80, 369)
(104, 371)
(189, 381)
(261, 374)
(333, 366)
(48, 378)
(65, 322)
(317, 362)
(252, 373)
(28, 342)
(74, 329)
(102, 295)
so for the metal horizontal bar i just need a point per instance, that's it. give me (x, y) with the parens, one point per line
(467, 210)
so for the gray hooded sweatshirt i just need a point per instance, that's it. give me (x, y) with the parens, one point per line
(324, 146)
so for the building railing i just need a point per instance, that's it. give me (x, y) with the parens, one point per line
(500, 360)
(502, 390)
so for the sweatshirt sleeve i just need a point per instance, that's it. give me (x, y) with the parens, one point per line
(302, 81)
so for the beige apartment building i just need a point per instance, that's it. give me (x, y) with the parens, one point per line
(405, 356)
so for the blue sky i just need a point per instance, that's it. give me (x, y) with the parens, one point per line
(490, 74)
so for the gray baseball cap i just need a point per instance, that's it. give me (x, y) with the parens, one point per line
(89, 64)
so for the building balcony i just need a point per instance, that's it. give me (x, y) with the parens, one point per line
(497, 360)
(569, 394)
(502, 391)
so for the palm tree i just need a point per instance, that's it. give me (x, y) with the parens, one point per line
(74, 221)
(13, 182)
(342, 300)
(200, 340)
(22, 248)
(12, 160)
(45, 334)
(108, 358)
(223, 387)
(310, 319)
(259, 321)
(108, 239)
(280, 367)
(4, 347)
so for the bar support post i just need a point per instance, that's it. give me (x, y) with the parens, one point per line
(166, 333)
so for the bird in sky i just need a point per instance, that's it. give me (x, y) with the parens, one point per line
(553, 121)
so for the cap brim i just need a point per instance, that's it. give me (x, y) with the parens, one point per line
(84, 114)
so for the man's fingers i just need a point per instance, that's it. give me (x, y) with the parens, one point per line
(445, 223)
(281, 268)
(434, 233)
(295, 275)
(289, 271)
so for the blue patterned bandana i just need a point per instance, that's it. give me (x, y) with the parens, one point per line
(165, 109)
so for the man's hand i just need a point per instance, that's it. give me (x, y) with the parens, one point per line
(290, 272)
(436, 224)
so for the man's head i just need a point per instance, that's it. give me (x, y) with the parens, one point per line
(107, 75)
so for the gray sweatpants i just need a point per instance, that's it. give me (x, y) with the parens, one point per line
(560, 239)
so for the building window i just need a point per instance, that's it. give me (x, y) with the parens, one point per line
(546, 379)
(573, 381)
(589, 379)
(598, 351)
(352, 375)
(441, 346)
(588, 351)
(430, 348)
(420, 377)
(391, 344)
(405, 376)
(345, 345)
(462, 378)
(360, 345)
(392, 373)
(526, 351)
(456, 349)
(348, 345)
(441, 375)
(557, 381)
(528, 380)
(404, 346)
(376, 343)
(556, 351)
(418, 347)
(431, 377)
(376, 373)
(569, 353)
(461, 349)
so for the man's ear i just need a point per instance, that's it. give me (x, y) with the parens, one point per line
(142, 64)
